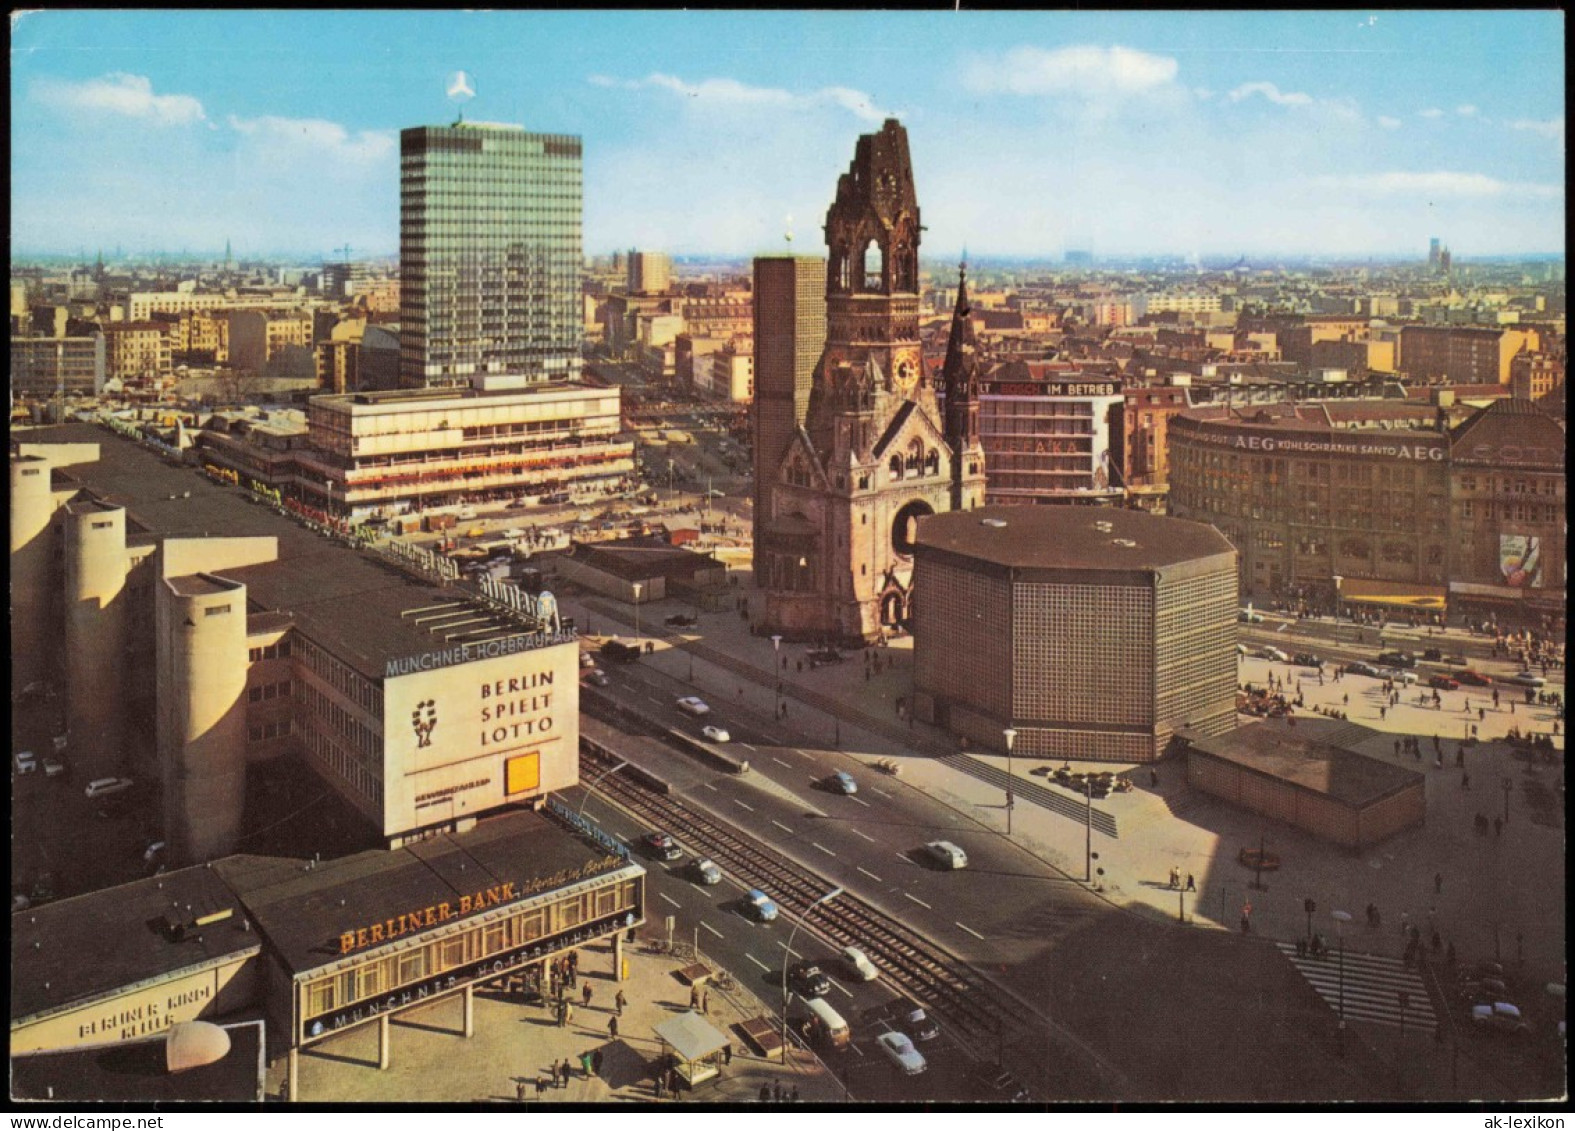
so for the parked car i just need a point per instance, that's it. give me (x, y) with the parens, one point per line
(662, 845)
(900, 1051)
(1444, 683)
(706, 871)
(1499, 1017)
(1361, 667)
(843, 783)
(716, 734)
(680, 620)
(1477, 990)
(25, 761)
(1397, 659)
(1474, 678)
(693, 705)
(761, 905)
(107, 787)
(1306, 660)
(1433, 655)
(919, 1024)
(1398, 675)
(53, 766)
(945, 854)
(1271, 653)
(1527, 679)
(808, 979)
(858, 964)
(587, 660)
(19, 902)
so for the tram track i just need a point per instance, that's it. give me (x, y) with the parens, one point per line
(987, 1015)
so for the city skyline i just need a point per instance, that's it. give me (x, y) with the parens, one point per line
(1339, 133)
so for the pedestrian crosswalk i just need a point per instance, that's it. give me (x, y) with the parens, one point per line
(1373, 985)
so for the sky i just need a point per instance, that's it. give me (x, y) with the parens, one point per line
(1340, 134)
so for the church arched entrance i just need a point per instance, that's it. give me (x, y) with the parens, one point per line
(893, 612)
(905, 527)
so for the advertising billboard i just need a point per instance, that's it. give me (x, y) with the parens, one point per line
(469, 737)
(1520, 560)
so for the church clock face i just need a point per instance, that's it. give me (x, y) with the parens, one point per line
(905, 372)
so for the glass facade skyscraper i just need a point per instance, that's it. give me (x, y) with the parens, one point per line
(489, 254)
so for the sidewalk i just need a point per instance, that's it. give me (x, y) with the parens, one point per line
(515, 1044)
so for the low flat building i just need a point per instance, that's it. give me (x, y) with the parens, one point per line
(1301, 770)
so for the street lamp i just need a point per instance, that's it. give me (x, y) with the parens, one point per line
(638, 586)
(1011, 736)
(1341, 918)
(590, 789)
(776, 650)
(1337, 580)
(787, 957)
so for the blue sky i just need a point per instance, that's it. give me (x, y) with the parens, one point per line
(1343, 133)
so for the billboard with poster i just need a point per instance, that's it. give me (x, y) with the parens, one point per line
(469, 737)
(1520, 560)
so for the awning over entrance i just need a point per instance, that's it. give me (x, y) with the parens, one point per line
(1395, 594)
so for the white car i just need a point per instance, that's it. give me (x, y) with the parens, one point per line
(859, 964)
(26, 762)
(1270, 653)
(945, 854)
(716, 734)
(53, 767)
(899, 1049)
(105, 787)
(693, 705)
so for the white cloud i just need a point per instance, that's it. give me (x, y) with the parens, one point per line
(1085, 71)
(1272, 93)
(328, 138)
(1552, 129)
(1389, 123)
(1467, 111)
(1442, 185)
(119, 93)
(724, 92)
(1431, 112)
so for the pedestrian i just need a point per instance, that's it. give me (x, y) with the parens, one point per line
(1397, 748)
(1382, 711)
(727, 1053)
(568, 1013)
(1153, 778)
(612, 1027)
(705, 1002)
(555, 1075)
(777, 1093)
(1438, 885)
(560, 1015)
(795, 1093)
(1465, 780)
(519, 1091)
(586, 994)
(619, 1001)
(694, 997)
(1191, 883)
(765, 1093)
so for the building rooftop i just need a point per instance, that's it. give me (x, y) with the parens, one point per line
(64, 956)
(1311, 753)
(137, 1071)
(345, 599)
(1067, 537)
(302, 911)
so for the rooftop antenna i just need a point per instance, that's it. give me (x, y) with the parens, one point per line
(460, 91)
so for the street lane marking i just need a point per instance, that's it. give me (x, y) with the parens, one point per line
(839, 986)
(748, 747)
(781, 826)
(711, 787)
(903, 858)
(757, 962)
(669, 898)
(824, 849)
(854, 1046)
(591, 817)
(802, 753)
(919, 901)
(861, 801)
(872, 875)
(710, 928)
(780, 762)
(882, 792)
(970, 930)
(743, 805)
(866, 836)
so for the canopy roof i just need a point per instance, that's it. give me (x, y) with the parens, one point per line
(691, 1036)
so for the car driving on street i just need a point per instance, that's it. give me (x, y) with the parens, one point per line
(715, 734)
(693, 705)
(900, 1051)
(761, 905)
(808, 980)
(662, 845)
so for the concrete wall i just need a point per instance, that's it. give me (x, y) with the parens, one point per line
(34, 639)
(202, 715)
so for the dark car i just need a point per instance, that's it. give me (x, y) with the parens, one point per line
(919, 1025)
(808, 979)
(992, 1083)
(680, 620)
(1474, 678)
(1306, 660)
(1444, 683)
(822, 656)
(1397, 659)
(662, 846)
(1432, 655)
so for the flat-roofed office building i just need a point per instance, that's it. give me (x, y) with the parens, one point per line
(489, 253)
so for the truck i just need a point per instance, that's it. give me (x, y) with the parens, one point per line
(619, 652)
